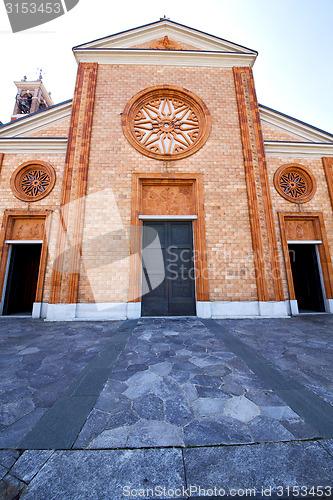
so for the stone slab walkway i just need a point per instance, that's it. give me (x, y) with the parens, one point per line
(38, 361)
(178, 411)
(176, 384)
(305, 353)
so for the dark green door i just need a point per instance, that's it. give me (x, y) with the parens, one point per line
(168, 278)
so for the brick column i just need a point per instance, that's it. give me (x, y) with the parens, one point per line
(328, 167)
(268, 271)
(66, 272)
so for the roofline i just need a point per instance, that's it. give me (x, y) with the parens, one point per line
(31, 138)
(35, 113)
(297, 142)
(144, 49)
(160, 21)
(296, 120)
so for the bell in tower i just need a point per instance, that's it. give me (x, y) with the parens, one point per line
(31, 96)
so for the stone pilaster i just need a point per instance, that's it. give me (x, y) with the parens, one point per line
(66, 271)
(267, 265)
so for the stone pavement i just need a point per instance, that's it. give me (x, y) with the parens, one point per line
(166, 408)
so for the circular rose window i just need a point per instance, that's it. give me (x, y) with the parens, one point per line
(295, 183)
(32, 181)
(166, 123)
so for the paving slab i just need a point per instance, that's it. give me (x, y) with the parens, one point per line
(10, 488)
(29, 464)
(328, 445)
(107, 475)
(272, 467)
(8, 457)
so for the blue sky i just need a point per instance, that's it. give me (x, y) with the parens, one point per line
(294, 38)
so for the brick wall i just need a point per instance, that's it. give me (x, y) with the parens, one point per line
(51, 202)
(319, 203)
(58, 130)
(112, 161)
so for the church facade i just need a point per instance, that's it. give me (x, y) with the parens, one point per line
(163, 189)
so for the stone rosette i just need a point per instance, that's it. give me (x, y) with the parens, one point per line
(166, 122)
(295, 183)
(33, 180)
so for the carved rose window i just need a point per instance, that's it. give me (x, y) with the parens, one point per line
(166, 123)
(295, 183)
(32, 181)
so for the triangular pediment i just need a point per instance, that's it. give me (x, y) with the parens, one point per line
(44, 123)
(283, 128)
(152, 36)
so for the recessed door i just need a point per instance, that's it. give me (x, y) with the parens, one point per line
(168, 278)
(22, 278)
(306, 278)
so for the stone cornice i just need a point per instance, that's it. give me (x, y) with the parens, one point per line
(14, 145)
(298, 149)
(159, 57)
(31, 124)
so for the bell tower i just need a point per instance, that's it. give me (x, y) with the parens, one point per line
(31, 96)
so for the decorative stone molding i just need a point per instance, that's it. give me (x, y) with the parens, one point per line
(166, 122)
(33, 180)
(13, 145)
(295, 183)
(279, 149)
(166, 44)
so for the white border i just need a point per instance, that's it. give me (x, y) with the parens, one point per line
(168, 217)
(33, 145)
(305, 242)
(298, 149)
(113, 311)
(23, 242)
(6, 279)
